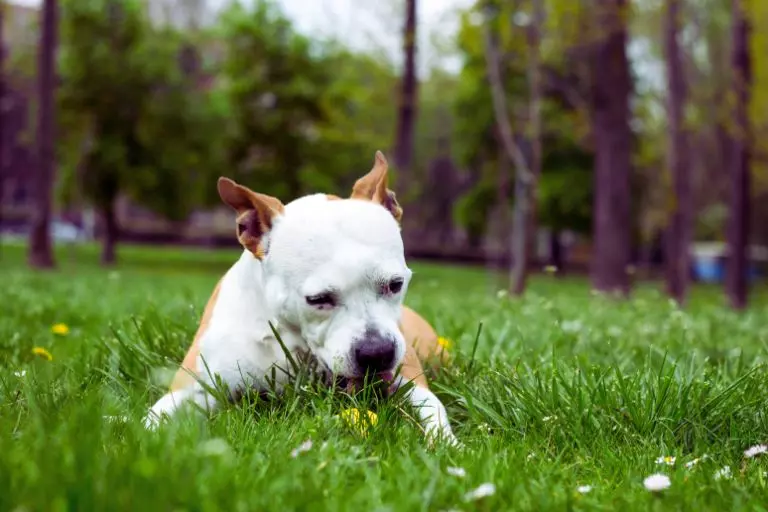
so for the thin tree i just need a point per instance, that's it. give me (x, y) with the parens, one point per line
(406, 117)
(3, 145)
(738, 224)
(678, 161)
(524, 225)
(610, 91)
(40, 249)
(526, 169)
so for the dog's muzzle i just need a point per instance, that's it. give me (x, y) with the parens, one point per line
(374, 353)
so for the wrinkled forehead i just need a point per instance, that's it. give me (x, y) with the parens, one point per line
(350, 268)
(316, 233)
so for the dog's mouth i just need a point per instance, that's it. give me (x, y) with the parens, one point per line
(354, 384)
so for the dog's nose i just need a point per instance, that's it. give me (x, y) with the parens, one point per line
(374, 353)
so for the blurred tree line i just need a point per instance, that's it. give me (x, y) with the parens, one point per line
(639, 162)
(650, 122)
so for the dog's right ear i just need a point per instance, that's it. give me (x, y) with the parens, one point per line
(255, 213)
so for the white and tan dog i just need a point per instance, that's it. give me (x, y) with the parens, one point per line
(330, 275)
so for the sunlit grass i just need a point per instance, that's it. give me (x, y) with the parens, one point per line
(568, 402)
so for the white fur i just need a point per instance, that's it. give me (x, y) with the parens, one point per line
(431, 412)
(351, 247)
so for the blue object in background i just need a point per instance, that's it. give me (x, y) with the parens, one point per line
(709, 269)
(712, 269)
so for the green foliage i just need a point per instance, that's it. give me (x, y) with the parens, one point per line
(472, 209)
(706, 34)
(473, 106)
(565, 189)
(304, 115)
(285, 114)
(360, 119)
(434, 131)
(131, 122)
(181, 136)
(565, 185)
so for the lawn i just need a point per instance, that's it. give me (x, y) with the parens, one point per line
(565, 390)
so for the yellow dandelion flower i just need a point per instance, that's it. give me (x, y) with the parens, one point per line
(353, 418)
(444, 342)
(668, 460)
(41, 352)
(550, 269)
(60, 329)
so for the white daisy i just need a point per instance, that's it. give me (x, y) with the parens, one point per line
(723, 473)
(756, 450)
(20, 373)
(303, 447)
(457, 472)
(484, 490)
(214, 447)
(691, 463)
(657, 482)
(668, 460)
(583, 489)
(572, 326)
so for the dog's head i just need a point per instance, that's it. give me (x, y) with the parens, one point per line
(334, 270)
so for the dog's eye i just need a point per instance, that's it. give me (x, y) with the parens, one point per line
(321, 300)
(394, 286)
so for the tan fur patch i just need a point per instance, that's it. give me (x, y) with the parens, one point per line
(183, 378)
(422, 347)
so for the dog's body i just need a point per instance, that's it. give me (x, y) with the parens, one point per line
(330, 276)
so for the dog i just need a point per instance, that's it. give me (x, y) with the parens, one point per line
(329, 276)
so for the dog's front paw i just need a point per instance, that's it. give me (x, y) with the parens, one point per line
(442, 434)
(152, 420)
(159, 412)
(453, 442)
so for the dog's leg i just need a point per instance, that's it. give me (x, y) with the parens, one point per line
(170, 403)
(431, 411)
(432, 414)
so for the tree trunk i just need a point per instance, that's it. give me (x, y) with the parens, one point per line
(40, 247)
(738, 225)
(499, 224)
(408, 94)
(524, 230)
(611, 85)
(679, 229)
(111, 233)
(3, 114)
(556, 252)
(525, 175)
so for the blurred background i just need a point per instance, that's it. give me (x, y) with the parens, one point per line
(621, 139)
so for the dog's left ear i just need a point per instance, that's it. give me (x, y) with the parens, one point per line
(373, 187)
(255, 213)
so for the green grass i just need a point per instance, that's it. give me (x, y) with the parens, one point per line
(565, 389)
